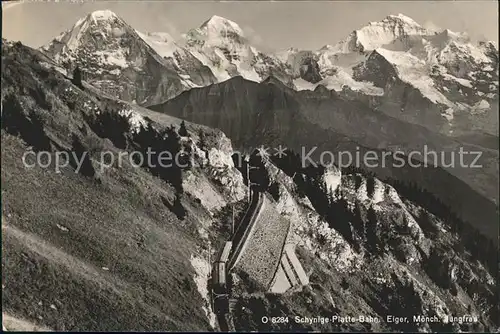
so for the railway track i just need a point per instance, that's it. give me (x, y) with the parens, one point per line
(245, 228)
(229, 257)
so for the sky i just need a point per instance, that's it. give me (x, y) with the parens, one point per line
(270, 25)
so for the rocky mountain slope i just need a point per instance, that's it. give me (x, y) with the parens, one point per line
(221, 44)
(125, 247)
(180, 59)
(370, 251)
(114, 57)
(270, 114)
(440, 80)
(90, 248)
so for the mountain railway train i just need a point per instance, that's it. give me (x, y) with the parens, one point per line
(219, 275)
(226, 251)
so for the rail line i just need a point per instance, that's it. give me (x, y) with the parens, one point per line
(245, 229)
(228, 258)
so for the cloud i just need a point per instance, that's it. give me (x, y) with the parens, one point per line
(168, 27)
(431, 26)
(252, 36)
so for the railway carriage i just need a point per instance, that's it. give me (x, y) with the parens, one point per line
(220, 269)
(226, 251)
(219, 277)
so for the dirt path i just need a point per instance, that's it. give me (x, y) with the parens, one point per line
(11, 323)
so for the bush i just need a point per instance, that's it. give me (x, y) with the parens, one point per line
(182, 130)
(77, 78)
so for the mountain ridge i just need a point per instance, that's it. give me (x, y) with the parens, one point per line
(448, 81)
(110, 51)
(252, 114)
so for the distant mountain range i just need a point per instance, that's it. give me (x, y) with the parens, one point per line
(440, 80)
(390, 83)
(270, 113)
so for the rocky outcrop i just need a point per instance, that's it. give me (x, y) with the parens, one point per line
(309, 70)
(271, 114)
(390, 263)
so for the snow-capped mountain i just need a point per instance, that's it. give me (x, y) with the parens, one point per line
(335, 62)
(114, 57)
(221, 45)
(440, 80)
(179, 59)
(437, 79)
(378, 34)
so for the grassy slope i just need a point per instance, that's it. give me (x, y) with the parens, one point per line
(87, 254)
(122, 226)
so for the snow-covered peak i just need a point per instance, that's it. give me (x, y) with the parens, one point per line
(489, 43)
(220, 44)
(159, 36)
(216, 32)
(403, 19)
(488, 46)
(101, 15)
(161, 42)
(378, 34)
(217, 24)
(100, 20)
(454, 36)
(326, 47)
(285, 55)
